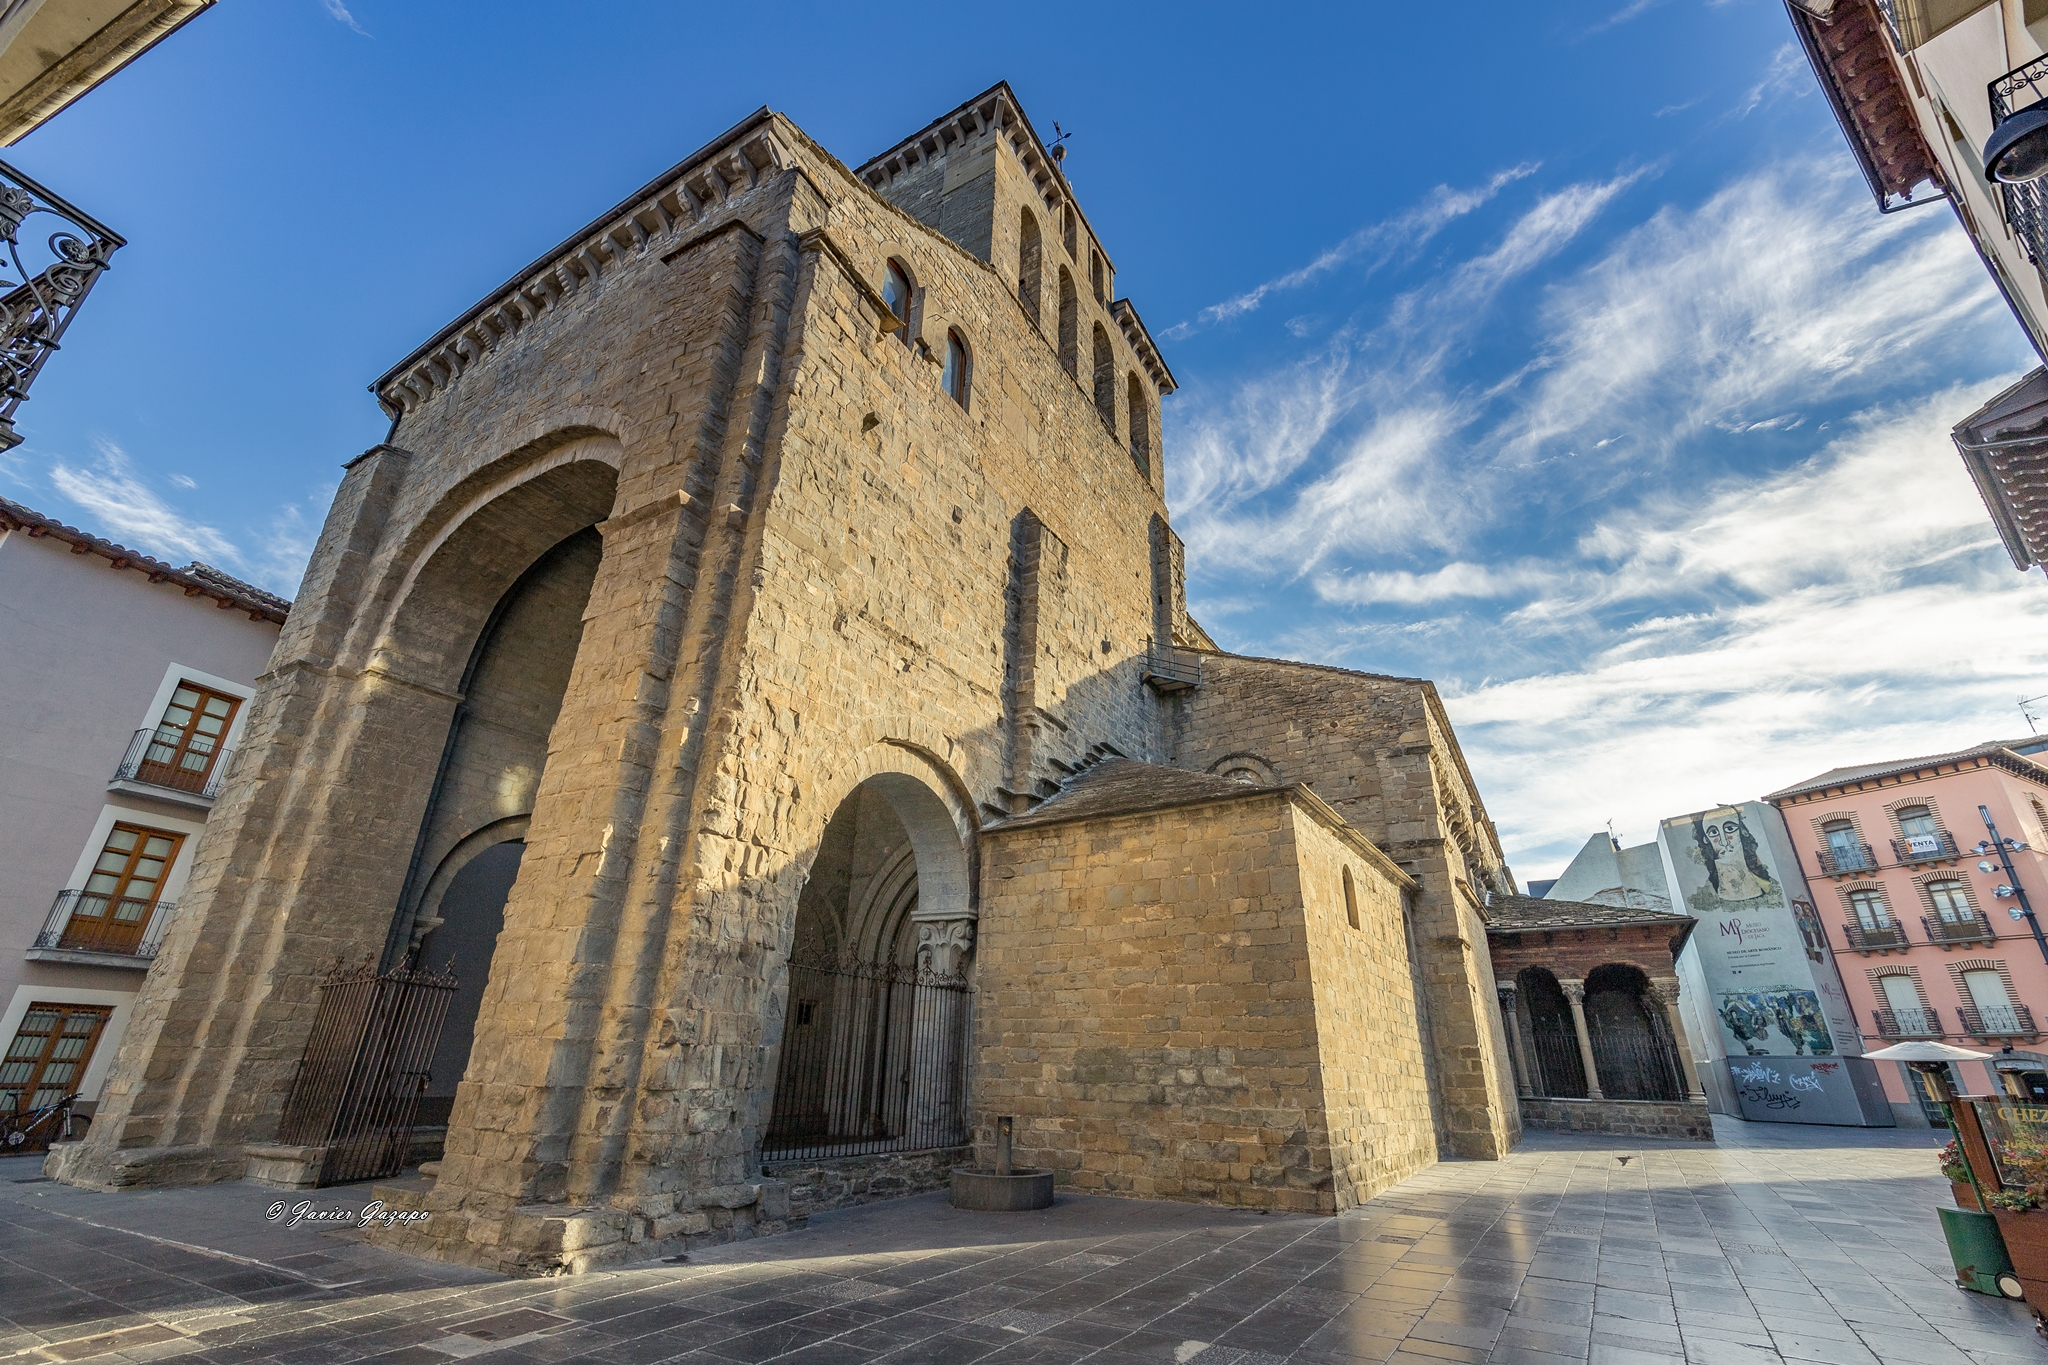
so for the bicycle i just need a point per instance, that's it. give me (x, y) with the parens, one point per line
(18, 1129)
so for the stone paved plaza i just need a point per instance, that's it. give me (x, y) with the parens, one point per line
(1777, 1244)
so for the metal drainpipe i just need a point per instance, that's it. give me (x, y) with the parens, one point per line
(2012, 878)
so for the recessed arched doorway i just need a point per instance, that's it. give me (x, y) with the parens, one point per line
(472, 835)
(879, 1008)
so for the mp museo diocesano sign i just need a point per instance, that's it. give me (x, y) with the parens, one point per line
(1785, 1020)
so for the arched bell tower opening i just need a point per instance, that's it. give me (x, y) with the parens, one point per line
(879, 1008)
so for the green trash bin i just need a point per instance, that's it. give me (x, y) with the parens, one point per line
(1979, 1253)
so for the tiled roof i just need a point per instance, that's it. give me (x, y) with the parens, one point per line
(1124, 786)
(1836, 777)
(195, 578)
(1520, 914)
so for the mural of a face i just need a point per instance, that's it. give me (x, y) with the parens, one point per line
(1731, 864)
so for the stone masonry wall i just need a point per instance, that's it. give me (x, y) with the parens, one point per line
(1687, 1119)
(842, 1182)
(1375, 1078)
(1380, 752)
(1148, 1013)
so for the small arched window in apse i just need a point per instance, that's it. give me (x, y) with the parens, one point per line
(1070, 325)
(1030, 266)
(958, 369)
(1350, 900)
(1067, 231)
(896, 294)
(1105, 378)
(1141, 426)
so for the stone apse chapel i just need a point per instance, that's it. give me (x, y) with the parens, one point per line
(758, 658)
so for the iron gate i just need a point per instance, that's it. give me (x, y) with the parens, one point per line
(874, 1059)
(359, 1083)
(1632, 1053)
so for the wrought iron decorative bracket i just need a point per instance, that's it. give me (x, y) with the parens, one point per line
(38, 297)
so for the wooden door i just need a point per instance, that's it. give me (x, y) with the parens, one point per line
(188, 739)
(112, 912)
(49, 1054)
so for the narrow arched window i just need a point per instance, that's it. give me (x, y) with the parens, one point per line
(956, 375)
(1030, 266)
(1070, 325)
(1095, 273)
(1350, 900)
(896, 293)
(1105, 378)
(1067, 231)
(1141, 426)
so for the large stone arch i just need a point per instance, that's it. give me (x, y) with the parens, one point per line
(937, 812)
(462, 559)
(874, 1002)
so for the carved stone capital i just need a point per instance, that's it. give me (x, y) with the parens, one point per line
(1505, 992)
(1574, 991)
(943, 945)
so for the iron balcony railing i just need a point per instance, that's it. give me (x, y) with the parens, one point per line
(157, 764)
(1975, 929)
(88, 923)
(2026, 204)
(1908, 1023)
(1864, 938)
(1925, 848)
(1173, 670)
(41, 291)
(1998, 1021)
(1837, 862)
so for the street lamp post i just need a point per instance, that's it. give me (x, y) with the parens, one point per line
(2012, 878)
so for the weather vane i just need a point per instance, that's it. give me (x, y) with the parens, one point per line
(1060, 136)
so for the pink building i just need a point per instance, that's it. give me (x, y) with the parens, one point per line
(1926, 921)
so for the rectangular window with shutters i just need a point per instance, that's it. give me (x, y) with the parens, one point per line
(112, 912)
(47, 1058)
(189, 738)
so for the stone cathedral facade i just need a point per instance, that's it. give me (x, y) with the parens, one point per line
(776, 578)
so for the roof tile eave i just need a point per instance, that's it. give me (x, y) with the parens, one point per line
(197, 578)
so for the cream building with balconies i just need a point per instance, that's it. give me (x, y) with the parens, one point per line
(126, 680)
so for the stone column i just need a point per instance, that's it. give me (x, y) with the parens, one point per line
(1525, 1079)
(939, 1030)
(1664, 990)
(1575, 991)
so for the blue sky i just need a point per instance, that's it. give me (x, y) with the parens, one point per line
(1555, 352)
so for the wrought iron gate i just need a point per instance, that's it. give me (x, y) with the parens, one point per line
(1633, 1053)
(874, 1059)
(359, 1083)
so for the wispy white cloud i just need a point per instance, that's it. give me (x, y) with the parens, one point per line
(339, 11)
(1407, 230)
(1794, 628)
(1703, 620)
(1633, 10)
(1780, 291)
(1787, 73)
(1343, 447)
(122, 506)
